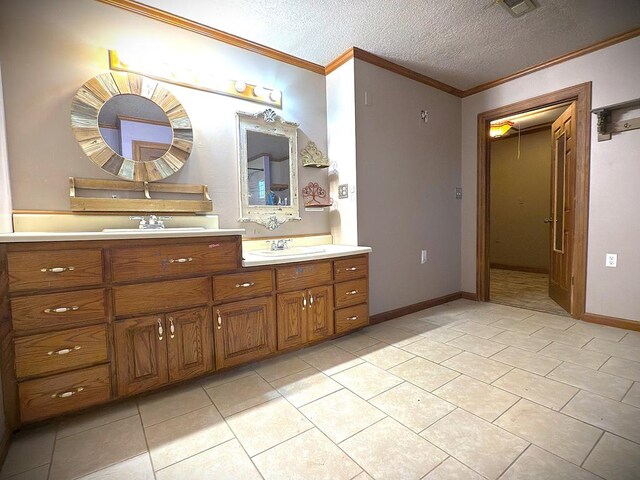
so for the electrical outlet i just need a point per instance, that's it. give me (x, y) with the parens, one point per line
(611, 260)
(343, 191)
(423, 257)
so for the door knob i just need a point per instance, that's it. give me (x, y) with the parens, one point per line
(548, 220)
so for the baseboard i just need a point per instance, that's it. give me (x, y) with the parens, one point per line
(416, 307)
(4, 445)
(469, 296)
(515, 268)
(611, 321)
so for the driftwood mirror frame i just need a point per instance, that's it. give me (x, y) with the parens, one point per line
(85, 109)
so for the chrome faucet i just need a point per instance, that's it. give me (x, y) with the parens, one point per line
(152, 222)
(279, 244)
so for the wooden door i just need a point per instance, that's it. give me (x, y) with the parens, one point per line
(292, 319)
(320, 312)
(189, 343)
(563, 171)
(141, 354)
(244, 331)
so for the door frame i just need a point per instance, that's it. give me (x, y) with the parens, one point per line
(581, 94)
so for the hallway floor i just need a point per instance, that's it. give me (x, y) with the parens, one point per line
(463, 390)
(523, 289)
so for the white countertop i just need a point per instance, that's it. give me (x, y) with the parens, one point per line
(251, 259)
(136, 234)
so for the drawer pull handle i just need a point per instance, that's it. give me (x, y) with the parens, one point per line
(172, 329)
(160, 330)
(61, 309)
(351, 269)
(68, 394)
(310, 300)
(355, 317)
(352, 292)
(58, 269)
(304, 301)
(245, 285)
(64, 351)
(219, 320)
(181, 260)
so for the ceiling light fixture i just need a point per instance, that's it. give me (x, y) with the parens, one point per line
(497, 130)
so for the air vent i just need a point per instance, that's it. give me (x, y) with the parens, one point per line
(517, 8)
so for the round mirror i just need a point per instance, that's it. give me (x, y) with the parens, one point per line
(131, 126)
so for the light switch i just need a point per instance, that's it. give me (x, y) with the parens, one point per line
(458, 193)
(611, 260)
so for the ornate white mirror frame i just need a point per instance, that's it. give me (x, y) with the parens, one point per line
(269, 123)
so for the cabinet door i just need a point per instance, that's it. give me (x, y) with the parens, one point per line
(244, 331)
(141, 354)
(189, 343)
(292, 319)
(320, 312)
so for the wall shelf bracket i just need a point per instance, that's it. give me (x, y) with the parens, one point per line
(608, 123)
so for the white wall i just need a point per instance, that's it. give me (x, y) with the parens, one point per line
(614, 216)
(49, 49)
(407, 175)
(5, 186)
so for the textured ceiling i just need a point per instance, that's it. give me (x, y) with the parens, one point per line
(461, 42)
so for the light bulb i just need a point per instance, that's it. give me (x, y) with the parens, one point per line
(258, 91)
(240, 86)
(275, 95)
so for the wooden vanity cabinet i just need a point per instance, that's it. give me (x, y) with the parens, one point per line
(351, 290)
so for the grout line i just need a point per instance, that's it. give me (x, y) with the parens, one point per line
(53, 448)
(592, 449)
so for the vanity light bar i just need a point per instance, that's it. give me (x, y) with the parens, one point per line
(165, 73)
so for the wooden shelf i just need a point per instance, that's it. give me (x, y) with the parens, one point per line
(278, 187)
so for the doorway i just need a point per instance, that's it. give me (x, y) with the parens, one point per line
(566, 204)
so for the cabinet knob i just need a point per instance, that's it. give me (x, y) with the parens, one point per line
(160, 329)
(219, 320)
(172, 329)
(61, 309)
(57, 269)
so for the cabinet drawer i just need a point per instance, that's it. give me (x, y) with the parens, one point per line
(42, 270)
(50, 352)
(162, 260)
(304, 275)
(350, 268)
(58, 310)
(352, 292)
(47, 397)
(351, 318)
(158, 296)
(242, 285)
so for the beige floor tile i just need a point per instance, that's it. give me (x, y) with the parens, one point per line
(451, 469)
(410, 322)
(601, 383)
(548, 320)
(228, 376)
(478, 367)
(432, 350)
(355, 342)
(341, 414)
(388, 450)
(267, 424)
(441, 334)
(631, 338)
(362, 476)
(477, 397)
(560, 336)
(367, 380)
(485, 448)
(633, 396)
(385, 356)
(280, 367)
(98, 448)
(615, 458)
(522, 341)
(172, 403)
(330, 360)
(529, 361)
(306, 386)
(579, 356)
(622, 368)
(598, 331)
(536, 464)
(559, 434)
(538, 389)
(229, 462)
(40, 473)
(526, 328)
(95, 418)
(29, 449)
(390, 335)
(477, 329)
(513, 313)
(477, 345)
(181, 437)
(136, 468)
(615, 417)
(615, 349)
(424, 374)
(412, 406)
(243, 393)
(309, 455)
(485, 317)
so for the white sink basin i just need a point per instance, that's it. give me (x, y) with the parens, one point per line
(166, 229)
(289, 251)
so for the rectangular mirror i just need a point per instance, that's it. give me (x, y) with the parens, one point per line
(267, 166)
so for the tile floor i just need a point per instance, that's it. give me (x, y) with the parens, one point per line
(462, 390)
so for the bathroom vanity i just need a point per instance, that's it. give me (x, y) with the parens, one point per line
(92, 317)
